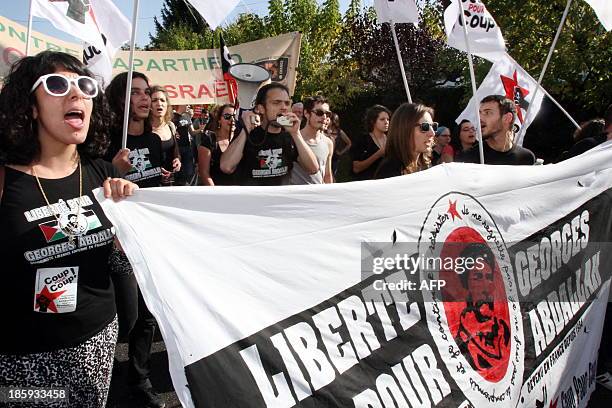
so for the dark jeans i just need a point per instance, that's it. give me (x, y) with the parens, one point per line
(184, 176)
(139, 347)
(136, 323)
(126, 293)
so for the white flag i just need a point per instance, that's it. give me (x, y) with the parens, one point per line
(397, 11)
(484, 35)
(115, 30)
(603, 9)
(214, 11)
(75, 17)
(508, 78)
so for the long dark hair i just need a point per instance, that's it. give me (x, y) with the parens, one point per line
(19, 130)
(115, 94)
(400, 138)
(371, 116)
(456, 140)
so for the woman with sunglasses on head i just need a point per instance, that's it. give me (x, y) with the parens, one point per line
(463, 141)
(214, 144)
(61, 325)
(368, 150)
(409, 143)
(161, 122)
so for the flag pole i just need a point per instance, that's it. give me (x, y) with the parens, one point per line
(553, 100)
(29, 33)
(548, 57)
(128, 87)
(473, 78)
(400, 60)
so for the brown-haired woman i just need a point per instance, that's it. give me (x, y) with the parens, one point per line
(368, 150)
(214, 144)
(409, 141)
(161, 122)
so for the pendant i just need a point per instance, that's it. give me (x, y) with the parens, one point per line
(73, 224)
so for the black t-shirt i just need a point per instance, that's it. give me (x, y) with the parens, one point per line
(363, 147)
(583, 146)
(145, 157)
(56, 294)
(209, 141)
(389, 168)
(183, 124)
(267, 159)
(517, 156)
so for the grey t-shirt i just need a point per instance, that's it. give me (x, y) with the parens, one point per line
(321, 151)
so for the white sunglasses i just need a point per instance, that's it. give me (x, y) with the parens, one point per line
(59, 85)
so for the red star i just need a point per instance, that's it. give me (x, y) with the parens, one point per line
(554, 404)
(452, 209)
(516, 93)
(45, 299)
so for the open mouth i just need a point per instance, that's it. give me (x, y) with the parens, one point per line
(75, 118)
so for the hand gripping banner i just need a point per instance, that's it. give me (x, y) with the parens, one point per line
(459, 286)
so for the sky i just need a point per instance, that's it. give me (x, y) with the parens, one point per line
(17, 10)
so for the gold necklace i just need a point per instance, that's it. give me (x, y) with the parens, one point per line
(66, 222)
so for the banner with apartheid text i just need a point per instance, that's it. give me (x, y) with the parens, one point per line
(324, 295)
(192, 76)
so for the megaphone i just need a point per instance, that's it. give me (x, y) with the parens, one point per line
(249, 78)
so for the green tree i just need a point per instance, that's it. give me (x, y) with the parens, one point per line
(177, 13)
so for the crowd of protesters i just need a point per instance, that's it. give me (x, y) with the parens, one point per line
(61, 137)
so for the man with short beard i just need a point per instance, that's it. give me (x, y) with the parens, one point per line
(316, 113)
(497, 116)
(265, 150)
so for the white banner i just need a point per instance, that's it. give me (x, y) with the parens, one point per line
(507, 77)
(397, 11)
(214, 11)
(603, 9)
(285, 296)
(484, 35)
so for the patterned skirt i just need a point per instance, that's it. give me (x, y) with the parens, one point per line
(84, 371)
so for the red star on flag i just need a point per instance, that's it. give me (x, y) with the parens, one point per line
(46, 300)
(517, 93)
(553, 404)
(452, 209)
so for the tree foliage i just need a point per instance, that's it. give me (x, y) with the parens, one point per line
(350, 56)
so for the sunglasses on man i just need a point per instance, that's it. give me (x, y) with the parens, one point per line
(59, 85)
(228, 116)
(321, 112)
(426, 126)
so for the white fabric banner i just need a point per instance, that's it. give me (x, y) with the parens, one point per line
(603, 9)
(214, 11)
(116, 30)
(268, 297)
(396, 11)
(74, 17)
(484, 35)
(507, 77)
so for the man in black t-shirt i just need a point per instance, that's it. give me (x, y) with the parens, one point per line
(497, 115)
(265, 149)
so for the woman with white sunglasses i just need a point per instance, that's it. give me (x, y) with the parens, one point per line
(60, 319)
(409, 141)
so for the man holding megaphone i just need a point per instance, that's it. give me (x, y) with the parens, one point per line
(264, 151)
